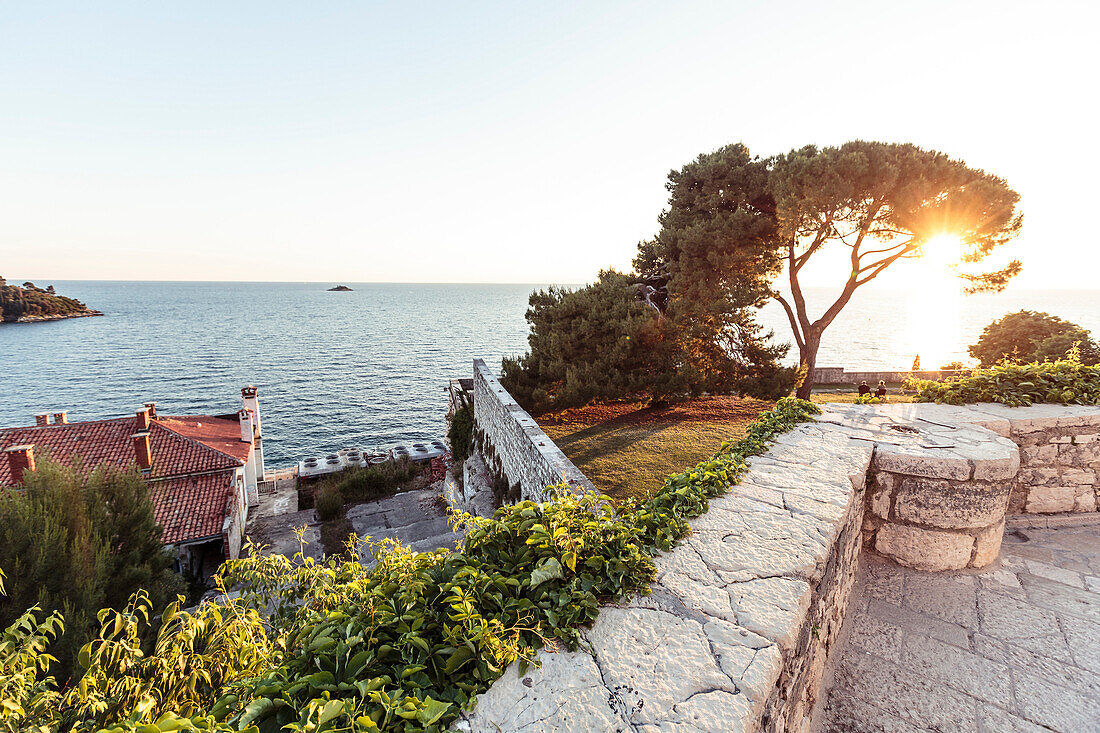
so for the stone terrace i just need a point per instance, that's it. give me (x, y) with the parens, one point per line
(1015, 648)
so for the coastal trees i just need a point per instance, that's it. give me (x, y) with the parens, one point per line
(1027, 336)
(735, 222)
(882, 202)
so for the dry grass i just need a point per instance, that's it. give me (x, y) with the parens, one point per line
(627, 449)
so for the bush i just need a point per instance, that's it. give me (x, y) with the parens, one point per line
(404, 645)
(329, 503)
(601, 343)
(461, 433)
(1065, 382)
(374, 482)
(1027, 336)
(75, 544)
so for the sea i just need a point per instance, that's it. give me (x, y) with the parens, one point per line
(369, 368)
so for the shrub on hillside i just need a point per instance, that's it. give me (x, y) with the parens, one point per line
(1066, 382)
(1027, 336)
(461, 433)
(329, 503)
(376, 481)
(75, 544)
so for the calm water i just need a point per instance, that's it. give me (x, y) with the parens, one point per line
(369, 367)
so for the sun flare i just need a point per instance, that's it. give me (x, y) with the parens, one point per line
(942, 252)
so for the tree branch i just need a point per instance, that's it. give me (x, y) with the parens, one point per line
(799, 341)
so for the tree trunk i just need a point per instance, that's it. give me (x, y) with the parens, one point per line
(807, 356)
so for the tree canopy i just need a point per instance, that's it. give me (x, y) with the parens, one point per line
(883, 202)
(1027, 336)
(736, 221)
(76, 544)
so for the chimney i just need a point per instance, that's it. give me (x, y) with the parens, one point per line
(246, 425)
(61, 418)
(252, 403)
(20, 460)
(143, 419)
(41, 420)
(143, 452)
(151, 408)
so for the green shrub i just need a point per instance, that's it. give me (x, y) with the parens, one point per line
(1027, 336)
(1065, 382)
(404, 645)
(374, 482)
(329, 503)
(461, 433)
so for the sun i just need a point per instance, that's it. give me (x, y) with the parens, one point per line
(942, 252)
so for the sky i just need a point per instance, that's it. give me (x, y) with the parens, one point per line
(498, 142)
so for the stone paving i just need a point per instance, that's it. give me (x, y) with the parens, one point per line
(417, 518)
(1015, 647)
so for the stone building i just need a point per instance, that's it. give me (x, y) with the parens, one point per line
(202, 470)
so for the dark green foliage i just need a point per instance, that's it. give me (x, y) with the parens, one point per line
(1027, 336)
(328, 503)
(66, 549)
(401, 646)
(718, 247)
(1066, 382)
(597, 342)
(28, 301)
(376, 481)
(460, 433)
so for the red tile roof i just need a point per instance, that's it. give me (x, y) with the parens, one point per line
(192, 507)
(215, 432)
(97, 442)
(188, 507)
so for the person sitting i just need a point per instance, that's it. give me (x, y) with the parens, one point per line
(880, 391)
(864, 389)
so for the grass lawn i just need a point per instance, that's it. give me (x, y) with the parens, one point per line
(627, 449)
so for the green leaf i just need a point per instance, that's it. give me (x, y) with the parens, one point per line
(548, 569)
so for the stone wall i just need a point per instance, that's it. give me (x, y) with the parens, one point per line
(514, 444)
(1059, 468)
(839, 375)
(739, 623)
(1059, 450)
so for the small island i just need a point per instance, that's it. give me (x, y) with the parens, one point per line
(340, 289)
(28, 303)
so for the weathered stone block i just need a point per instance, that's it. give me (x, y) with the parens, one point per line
(987, 545)
(1051, 499)
(951, 504)
(924, 549)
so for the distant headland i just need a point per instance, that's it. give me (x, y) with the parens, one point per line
(340, 289)
(28, 303)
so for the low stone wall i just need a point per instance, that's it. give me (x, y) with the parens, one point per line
(736, 631)
(839, 375)
(517, 447)
(1059, 449)
(938, 492)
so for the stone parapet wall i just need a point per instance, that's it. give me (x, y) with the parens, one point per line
(1059, 468)
(839, 375)
(739, 623)
(518, 446)
(938, 491)
(1059, 448)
